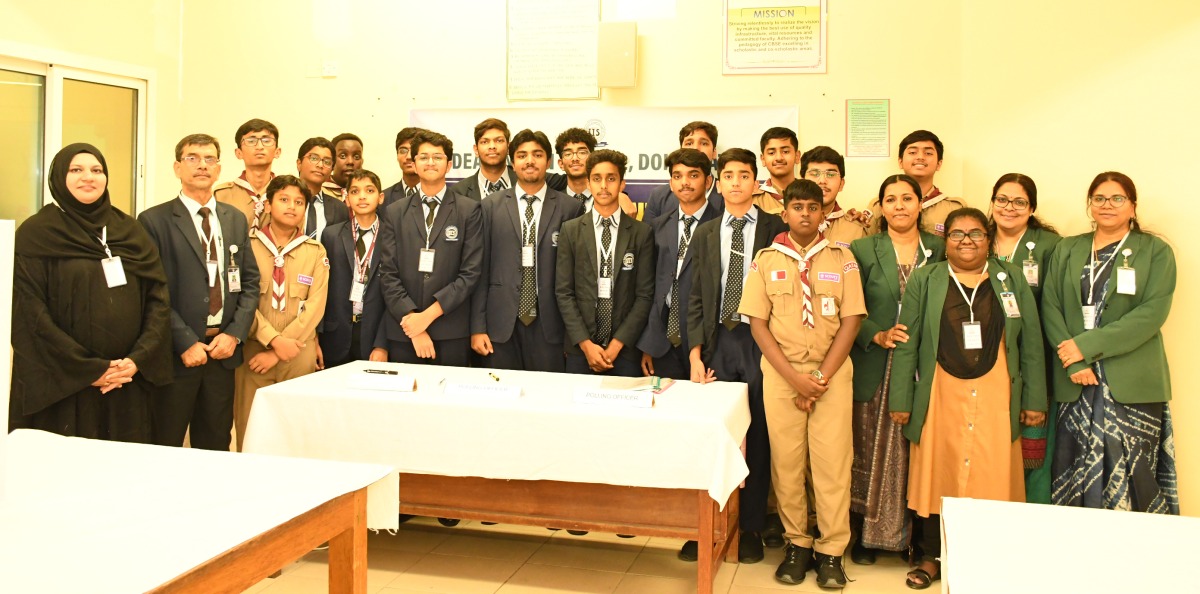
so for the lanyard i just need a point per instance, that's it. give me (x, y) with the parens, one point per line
(923, 252)
(606, 256)
(362, 265)
(104, 240)
(1013, 256)
(971, 300)
(526, 237)
(1092, 270)
(429, 228)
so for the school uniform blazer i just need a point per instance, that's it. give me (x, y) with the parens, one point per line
(662, 200)
(171, 228)
(392, 195)
(336, 211)
(666, 242)
(1044, 242)
(335, 328)
(921, 311)
(876, 258)
(498, 294)
(1128, 337)
(457, 238)
(575, 281)
(704, 301)
(469, 186)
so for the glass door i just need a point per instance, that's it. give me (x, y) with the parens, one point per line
(22, 126)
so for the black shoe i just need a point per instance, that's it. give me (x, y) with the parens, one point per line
(796, 561)
(448, 522)
(772, 535)
(624, 536)
(577, 532)
(406, 517)
(861, 555)
(690, 551)
(829, 572)
(488, 523)
(750, 548)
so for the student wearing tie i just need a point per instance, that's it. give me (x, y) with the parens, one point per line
(314, 161)
(409, 180)
(605, 277)
(573, 146)
(491, 149)
(664, 343)
(698, 135)
(430, 255)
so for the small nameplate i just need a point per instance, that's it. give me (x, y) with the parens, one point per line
(625, 398)
(383, 382)
(493, 390)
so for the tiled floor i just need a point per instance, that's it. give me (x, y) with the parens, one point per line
(507, 559)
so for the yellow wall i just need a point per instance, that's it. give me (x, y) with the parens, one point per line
(1059, 90)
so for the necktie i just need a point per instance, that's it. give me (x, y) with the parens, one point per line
(605, 306)
(733, 276)
(214, 286)
(673, 333)
(494, 187)
(409, 193)
(432, 203)
(360, 246)
(311, 227)
(528, 304)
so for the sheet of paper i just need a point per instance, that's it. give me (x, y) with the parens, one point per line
(552, 49)
(867, 127)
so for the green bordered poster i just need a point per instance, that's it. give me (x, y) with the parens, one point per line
(774, 36)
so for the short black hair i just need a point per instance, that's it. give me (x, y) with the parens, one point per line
(431, 137)
(822, 154)
(608, 156)
(255, 125)
(803, 189)
(921, 136)
(312, 143)
(709, 130)
(778, 133)
(528, 135)
(572, 135)
(406, 135)
(196, 140)
(280, 182)
(737, 155)
(689, 157)
(346, 136)
(364, 173)
(491, 124)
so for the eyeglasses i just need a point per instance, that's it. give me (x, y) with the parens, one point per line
(265, 141)
(581, 153)
(316, 159)
(958, 235)
(403, 152)
(816, 174)
(1117, 200)
(194, 160)
(425, 158)
(1005, 202)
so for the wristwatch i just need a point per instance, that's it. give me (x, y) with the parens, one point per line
(817, 374)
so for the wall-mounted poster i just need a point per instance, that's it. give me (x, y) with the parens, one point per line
(774, 36)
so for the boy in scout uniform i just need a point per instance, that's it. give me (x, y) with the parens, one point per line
(257, 145)
(779, 147)
(294, 276)
(921, 158)
(826, 167)
(805, 302)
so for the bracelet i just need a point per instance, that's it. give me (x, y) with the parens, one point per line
(817, 374)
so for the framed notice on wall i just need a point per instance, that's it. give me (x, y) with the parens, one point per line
(552, 49)
(774, 36)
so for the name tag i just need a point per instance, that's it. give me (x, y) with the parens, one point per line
(972, 336)
(1126, 280)
(114, 274)
(356, 291)
(1010, 304)
(829, 276)
(1030, 268)
(1089, 317)
(425, 261)
(604, 287)
(617, 398)
(304, 279)
(235, 280)
(526, 256)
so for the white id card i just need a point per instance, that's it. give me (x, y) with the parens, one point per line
(1010, 304)
(114, 274)
(425, 263)
(212, 273)
(235, 280)
(1126, 281)
(605, 288)
(972, 336)
(526, 256)
(1031, 272)
(1089, 317)
(828, 306)
(356, 291)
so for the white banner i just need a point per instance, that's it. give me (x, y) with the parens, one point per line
(645, 134)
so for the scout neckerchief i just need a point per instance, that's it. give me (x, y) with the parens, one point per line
(935, 196)
(783, 244)
(260, 200)
(771, 191)
(278, 277)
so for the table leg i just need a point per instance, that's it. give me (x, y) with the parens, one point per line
(705, 571)
(348, 552)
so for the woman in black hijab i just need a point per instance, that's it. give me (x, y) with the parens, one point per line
(91, 321)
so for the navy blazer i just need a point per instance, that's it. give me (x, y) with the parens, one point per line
(469, 186)
(173, 231)
(666, 242)
(336, 211)
(457, 238)
(663, 200)
(336, 325)
(497, 296)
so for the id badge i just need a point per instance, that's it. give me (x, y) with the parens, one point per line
(212, 273)
(235, 280)
(114, 274)
(527, 256)
(1031, 272)
(604, 286)
(1126, 280)
(828, 306)
(356, 291)
(425, 263)
(972, 336)
(1089, 317)
(1010, 304)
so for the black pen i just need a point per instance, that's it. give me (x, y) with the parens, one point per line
(382, 371)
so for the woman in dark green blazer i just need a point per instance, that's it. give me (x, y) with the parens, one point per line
(971, 373)
(1020, 237)
(1107, 296)
(879, 475)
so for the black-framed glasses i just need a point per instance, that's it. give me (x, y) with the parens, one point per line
(265, 141)
(1015, 203)
(1116, 199)
(958, 235)
(316, 159)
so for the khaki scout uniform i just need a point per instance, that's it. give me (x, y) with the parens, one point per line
(767, 200)
(240, 195)
(306, 270)
(844, 226)
(774, 292)
(934, 210)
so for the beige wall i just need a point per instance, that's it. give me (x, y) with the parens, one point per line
(1060, 91)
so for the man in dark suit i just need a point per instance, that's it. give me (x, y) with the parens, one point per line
(664, 343)
(515, 322)
(701, 136)
(721, 347)
(349, 331)
(605, 277)
(491, 149)
(409, 180)
(314, 162)
(430, 255)
(213, 281)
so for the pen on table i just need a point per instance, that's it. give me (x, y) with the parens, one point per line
(493, 376)
(382, 371)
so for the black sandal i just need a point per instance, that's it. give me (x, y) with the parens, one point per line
(922, 578)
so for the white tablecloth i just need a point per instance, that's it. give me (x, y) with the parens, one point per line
(690, 439)
(1002, 547)
(94, 516)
